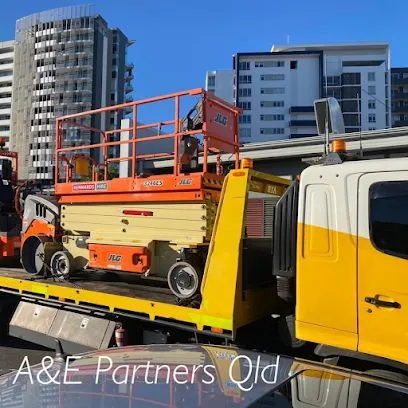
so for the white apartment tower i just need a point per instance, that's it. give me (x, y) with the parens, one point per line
(67, 60)
(276, 89)
(6, 84)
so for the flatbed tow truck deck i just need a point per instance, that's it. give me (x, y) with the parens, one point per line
(116, 294)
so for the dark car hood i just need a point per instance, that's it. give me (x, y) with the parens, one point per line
(183, 376)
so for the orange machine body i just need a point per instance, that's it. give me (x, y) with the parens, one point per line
(119, 257)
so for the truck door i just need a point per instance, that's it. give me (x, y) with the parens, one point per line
(383, 264)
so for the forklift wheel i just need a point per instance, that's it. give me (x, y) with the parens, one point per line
(62, 265)
(184, 280)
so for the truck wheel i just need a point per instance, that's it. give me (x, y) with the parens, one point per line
(286, 331)
(184, 279)
(62, 265)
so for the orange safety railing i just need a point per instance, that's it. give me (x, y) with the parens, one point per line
(219, 133)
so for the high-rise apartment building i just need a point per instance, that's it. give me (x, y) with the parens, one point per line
(399, 96)
(6, 84)
(276, 89)
(67, 60)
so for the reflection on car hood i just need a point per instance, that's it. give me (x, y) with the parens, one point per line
(190, 376)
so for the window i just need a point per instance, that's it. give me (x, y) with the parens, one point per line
(272, 131)
(332, 80)
(293, 64)
(245, 105)
(244, 92)
(113, 74)
(272, 104)
(350, 92)
(245, 79)
(389, 218)
(273, 77)
(244, 66)
(371, 90)
(272, 117)
(372, 128)
(272, 90)
(269, 64)
(371, 118)
(371, 76)
(245, 119)
(371, 104)
(350, 106)
(334, 92)
(244, 133)
(211, 81)
(351, 78)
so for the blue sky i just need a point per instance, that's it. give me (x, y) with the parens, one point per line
(178, 40)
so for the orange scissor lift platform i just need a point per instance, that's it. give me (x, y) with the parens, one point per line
(216, 124)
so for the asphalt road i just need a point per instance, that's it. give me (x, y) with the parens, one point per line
(13, 351)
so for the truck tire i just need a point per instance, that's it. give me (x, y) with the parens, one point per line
(286, 331)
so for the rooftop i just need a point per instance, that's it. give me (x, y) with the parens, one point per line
(329, 46)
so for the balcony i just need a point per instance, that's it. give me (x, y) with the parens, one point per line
(400, 123)
(301, 135)
(6, 78)
(7, 55)
(302, 123)
(400, 95)
(301, 109)
(5, 100)
(5, 111)
(128, 89)
(399, 81)
(399, 109)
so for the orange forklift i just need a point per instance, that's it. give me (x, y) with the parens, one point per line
(10, 205)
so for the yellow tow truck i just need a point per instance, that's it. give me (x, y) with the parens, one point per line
(331, 273)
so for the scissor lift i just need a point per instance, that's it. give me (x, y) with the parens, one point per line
(155, 225)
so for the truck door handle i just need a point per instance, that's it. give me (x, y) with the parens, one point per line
(382, 303)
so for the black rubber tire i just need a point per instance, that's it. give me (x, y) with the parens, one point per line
(286, 331)
(62, 265)
(388, 375)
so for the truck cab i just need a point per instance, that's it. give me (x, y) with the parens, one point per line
(352, 256)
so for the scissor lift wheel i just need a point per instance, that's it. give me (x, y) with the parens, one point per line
(62, 265)
(184, 279)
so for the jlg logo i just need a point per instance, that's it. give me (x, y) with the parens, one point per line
(114, 258)
(186, 182)
(221, 119)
